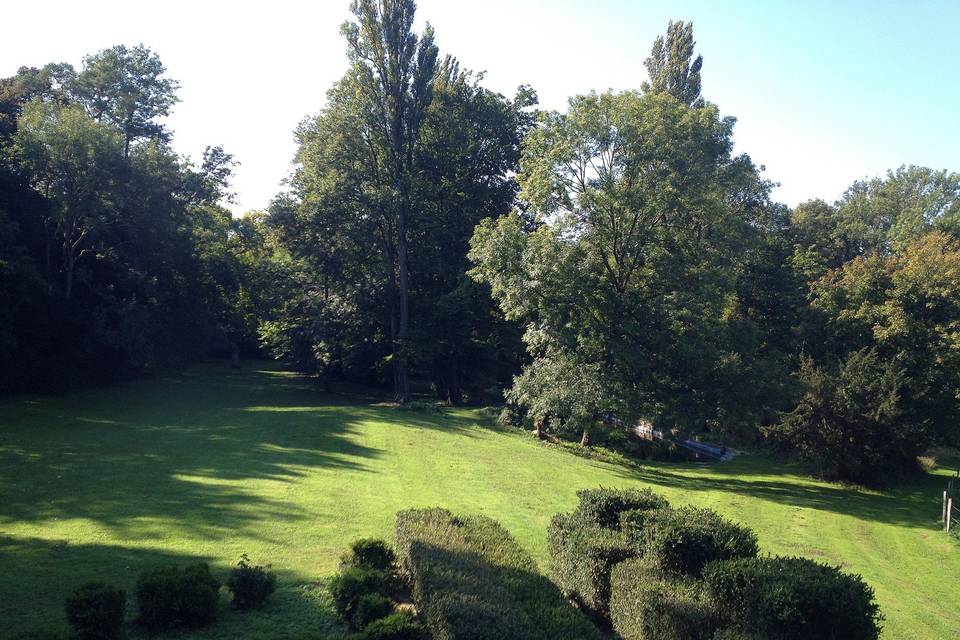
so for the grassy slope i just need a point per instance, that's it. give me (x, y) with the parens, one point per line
(101, 484)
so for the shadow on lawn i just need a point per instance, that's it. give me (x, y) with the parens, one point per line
(913, 504)
(179, 449)
(46, 572)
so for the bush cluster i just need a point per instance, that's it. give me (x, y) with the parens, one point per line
(363, 594)
(603, 507)
(647, 604)
(96, 611)
(174, 597)
(683, 541)
(586, 544)
(471, 580)
(793, 599)
(251, 585)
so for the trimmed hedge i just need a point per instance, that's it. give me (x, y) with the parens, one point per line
(793, 599)
(583, 554)
(471, 580)
(96, 611)
(604, 506)
(683, 541)
(397, 626)
(172, 597)
(647, 604)
(250, 585)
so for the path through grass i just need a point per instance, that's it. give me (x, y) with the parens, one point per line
(211, 464)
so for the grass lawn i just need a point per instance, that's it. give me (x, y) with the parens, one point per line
(211, 464)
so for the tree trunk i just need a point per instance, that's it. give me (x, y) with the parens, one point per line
(585, 439)
(402, 389)
(538, 428)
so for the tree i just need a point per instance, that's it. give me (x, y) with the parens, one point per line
(394, 71)
(126, 87)
(882, 382)
(73, 160)
(628, 270)
(672, 67)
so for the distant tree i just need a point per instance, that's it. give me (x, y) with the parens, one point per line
(126, 87)
(394, 71)
(672, 67)
(72, 160)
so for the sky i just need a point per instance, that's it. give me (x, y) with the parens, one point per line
(824, 93)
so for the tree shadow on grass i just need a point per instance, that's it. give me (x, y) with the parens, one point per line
(176, 454)
(40, 574)
(913, 504)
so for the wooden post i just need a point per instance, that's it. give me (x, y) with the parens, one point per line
(949, 510)
(943, 509)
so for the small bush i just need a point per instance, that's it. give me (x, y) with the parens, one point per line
(171, 597)
(422, 406)
(646, 604)
(251, 585)
(684, 540)
(582, 555)
(351, 584)
(370, 607)
(397, 626)
(793, 599)
(604, 506)
(369, 553)
(472, 581)
(96, 611)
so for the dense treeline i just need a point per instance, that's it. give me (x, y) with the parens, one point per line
(617, 257)
(115, 251)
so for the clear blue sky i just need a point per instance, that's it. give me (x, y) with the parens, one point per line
(824, 92)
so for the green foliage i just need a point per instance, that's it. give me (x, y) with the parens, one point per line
(351, 584)
(647, 605)
(396, 626)
(582, 556)
(96, 611)
(174, 597)
(470, 579)
(603, 507)
(793, 599)
(251, 585)
(672, 67)
(683, 541)
(370, 607)
(369, 553)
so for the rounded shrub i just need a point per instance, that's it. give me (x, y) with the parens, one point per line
(369, 553)
(96, 611)
(251, 585)
(370, 607)
(604, 506)
(683, 541)
(351, 584)
(396, 626)
(172, 597)
(793, 599)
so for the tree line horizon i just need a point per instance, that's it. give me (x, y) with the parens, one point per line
(615, 257)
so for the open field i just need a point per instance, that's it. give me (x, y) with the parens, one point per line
(211, 464)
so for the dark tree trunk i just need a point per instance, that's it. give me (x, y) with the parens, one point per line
(402, 389)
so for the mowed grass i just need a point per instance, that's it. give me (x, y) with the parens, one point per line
(211, 463)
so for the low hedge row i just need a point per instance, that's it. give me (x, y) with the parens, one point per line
(683, 541)
(471, 580)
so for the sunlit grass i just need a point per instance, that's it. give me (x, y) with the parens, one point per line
(211, 463)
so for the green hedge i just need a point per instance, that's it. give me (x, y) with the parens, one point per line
(603, 507)
(683, 541)
(793, 599)
(471, 580)
(647, 604)
(582, 555)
